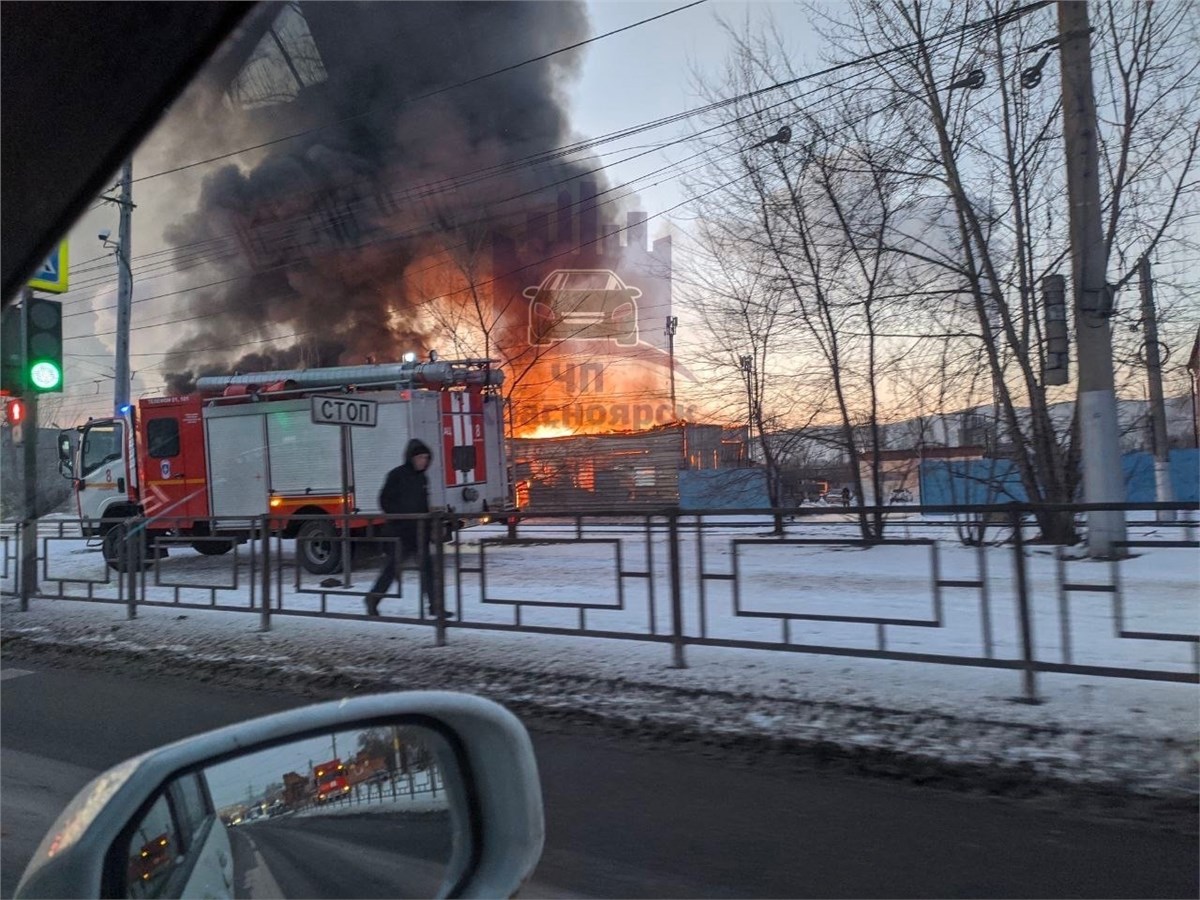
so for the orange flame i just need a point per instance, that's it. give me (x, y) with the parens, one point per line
(571, 388)
(548, 431)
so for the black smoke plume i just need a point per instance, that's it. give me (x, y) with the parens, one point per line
(316, 233)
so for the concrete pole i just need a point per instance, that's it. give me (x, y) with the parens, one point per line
(124, 290)
(1103, 481)
(1158, 409)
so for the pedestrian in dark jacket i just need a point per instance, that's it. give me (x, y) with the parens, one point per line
(405, 491)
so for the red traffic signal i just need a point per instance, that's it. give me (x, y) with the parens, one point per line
(14, 411)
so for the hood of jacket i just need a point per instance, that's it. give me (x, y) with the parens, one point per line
(415, 448)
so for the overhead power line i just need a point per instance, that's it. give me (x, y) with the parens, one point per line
(431, 189)
(456, 182)
(554, 256)
(578, 206)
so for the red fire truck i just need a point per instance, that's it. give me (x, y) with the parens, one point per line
(303, 443)
(330, 779)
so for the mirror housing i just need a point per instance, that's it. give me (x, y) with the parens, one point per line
(66, 450)
(499, 793)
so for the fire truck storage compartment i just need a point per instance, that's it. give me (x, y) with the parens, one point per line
(305, 458)
(376, 451)
(495, 455)
(269, 448)
(259, 449)
(238, 486)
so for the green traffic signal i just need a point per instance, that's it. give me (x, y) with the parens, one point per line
(45, 376)
(44, 345)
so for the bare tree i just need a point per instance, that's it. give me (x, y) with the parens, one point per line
(745, 315)
(811, 220)
(989, 165)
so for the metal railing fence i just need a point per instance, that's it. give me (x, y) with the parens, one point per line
(748, 579)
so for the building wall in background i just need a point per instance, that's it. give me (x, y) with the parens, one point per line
(54, 491)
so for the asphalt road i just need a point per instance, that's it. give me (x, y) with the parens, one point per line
(309, 857)
(634, 821)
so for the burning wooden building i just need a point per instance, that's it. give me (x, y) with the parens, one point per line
(643, 470)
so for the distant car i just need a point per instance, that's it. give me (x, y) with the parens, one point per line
(583, 305)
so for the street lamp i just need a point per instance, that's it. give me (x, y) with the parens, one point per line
(782, 136)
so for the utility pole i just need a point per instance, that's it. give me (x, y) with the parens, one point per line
(29, 445)
(1158, 409)
(747, 365)
(124, 289)
(672, 327)
(1103, 481)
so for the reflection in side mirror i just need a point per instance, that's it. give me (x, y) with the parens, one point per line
(423, 793)
(367, 812)
(64, 447)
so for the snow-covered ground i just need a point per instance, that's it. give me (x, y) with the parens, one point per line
(1142, 734)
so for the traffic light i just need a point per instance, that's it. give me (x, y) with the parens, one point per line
(10, 350)
(14, 411)
(44, 346)
(14, 414)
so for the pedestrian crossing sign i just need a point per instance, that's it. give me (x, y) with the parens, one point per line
(52, 276)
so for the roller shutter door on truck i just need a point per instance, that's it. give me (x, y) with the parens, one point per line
(377, 451)
(237, 465)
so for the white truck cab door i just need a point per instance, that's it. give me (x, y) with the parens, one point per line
(102, 479)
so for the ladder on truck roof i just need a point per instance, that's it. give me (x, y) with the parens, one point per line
(433, 375)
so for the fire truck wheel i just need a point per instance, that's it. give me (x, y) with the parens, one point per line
(212, 548)
(318, 547)
(115, 555)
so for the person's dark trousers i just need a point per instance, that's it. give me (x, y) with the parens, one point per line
(389, 572)
(428, 583)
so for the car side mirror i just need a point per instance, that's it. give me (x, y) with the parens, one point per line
(529, 293)
(64, 447)
(421, 794)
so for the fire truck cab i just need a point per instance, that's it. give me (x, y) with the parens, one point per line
(300, 449)
(330, 780)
